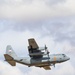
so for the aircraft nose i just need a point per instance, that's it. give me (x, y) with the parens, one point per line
(68, 58)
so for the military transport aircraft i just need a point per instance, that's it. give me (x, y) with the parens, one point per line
(38, 56)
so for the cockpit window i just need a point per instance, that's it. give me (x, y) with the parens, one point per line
(64, 55)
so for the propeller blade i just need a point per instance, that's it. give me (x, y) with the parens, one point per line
(45, 47)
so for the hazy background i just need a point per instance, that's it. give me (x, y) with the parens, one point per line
(50, 22)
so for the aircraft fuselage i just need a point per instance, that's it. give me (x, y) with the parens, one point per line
(44, 61)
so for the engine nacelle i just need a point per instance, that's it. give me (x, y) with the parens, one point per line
(41, 48)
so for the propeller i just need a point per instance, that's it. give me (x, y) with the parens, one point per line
(46, 49)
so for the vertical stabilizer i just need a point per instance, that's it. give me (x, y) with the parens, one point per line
(10, 51)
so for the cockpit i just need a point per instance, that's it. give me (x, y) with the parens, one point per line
(64, 55)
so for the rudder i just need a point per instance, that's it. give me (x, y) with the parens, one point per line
(10, 51)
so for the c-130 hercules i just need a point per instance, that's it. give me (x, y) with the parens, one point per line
(39, 57)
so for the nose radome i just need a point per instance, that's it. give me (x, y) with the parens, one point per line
(68, 58)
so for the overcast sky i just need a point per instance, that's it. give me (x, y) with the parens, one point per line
(50, 22)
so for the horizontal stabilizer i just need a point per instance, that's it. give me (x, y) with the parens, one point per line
(12, 63)
(9, 59)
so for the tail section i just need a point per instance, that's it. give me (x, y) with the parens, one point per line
(10, 60)
(10, 56)
(10, 51)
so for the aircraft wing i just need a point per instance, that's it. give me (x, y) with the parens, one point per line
(33, 49)
(47, 68)
(32, 43)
